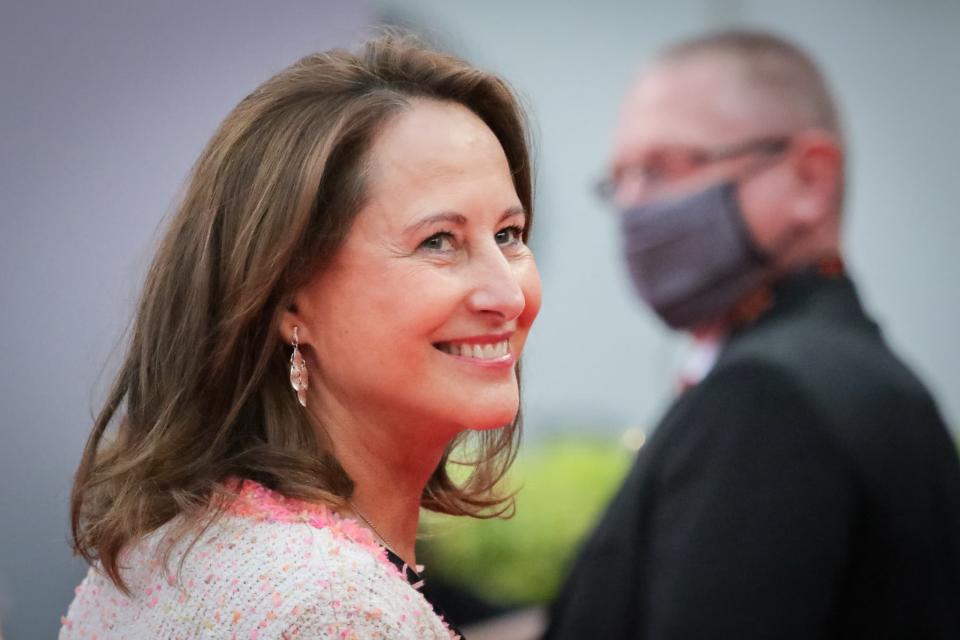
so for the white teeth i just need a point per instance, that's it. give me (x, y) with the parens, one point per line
(478, 351)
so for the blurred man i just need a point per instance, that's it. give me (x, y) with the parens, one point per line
(806, 487)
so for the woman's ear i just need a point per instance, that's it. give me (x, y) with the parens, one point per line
(290, 318)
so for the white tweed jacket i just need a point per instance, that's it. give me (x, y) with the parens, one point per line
(269, 568)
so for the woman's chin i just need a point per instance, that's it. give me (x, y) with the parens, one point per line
(494, 419)
(476, 411)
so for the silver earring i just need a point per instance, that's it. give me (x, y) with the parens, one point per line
(298, 370)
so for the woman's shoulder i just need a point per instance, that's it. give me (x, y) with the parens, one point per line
(307, 544)
(268, 565)
(261, 522)
(282, 536)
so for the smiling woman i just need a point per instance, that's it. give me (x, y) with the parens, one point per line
(371, 211)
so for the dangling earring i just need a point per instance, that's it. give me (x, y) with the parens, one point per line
(298, 370)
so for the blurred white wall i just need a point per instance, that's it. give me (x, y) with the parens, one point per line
(105, 105)
(596, 359)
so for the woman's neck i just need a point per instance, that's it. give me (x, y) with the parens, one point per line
(390, 463)
(390, 509)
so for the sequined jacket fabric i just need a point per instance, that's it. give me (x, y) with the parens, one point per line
(270, 567)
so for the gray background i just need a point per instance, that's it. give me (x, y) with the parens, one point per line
(105, 106)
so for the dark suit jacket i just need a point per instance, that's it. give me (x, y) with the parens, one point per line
(806, 488)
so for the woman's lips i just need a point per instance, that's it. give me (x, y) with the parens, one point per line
(481, 350)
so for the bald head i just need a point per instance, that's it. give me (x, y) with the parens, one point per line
(771, 78)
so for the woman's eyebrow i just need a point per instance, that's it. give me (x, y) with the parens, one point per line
(445, 216)
(458, 219)
(513, 211)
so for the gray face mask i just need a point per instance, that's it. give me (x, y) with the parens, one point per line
(692, 258)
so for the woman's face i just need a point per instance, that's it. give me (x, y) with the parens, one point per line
(424, 311)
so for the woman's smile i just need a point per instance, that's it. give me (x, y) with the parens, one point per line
(488, 350)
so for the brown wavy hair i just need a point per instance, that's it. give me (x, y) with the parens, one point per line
(202, 394)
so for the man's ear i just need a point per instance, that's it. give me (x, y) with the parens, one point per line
(818, 162)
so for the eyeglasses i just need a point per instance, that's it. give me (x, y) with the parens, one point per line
(672, 163)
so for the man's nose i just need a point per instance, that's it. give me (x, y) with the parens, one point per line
(495, 287)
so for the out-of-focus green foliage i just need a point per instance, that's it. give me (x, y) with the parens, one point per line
(564, 485)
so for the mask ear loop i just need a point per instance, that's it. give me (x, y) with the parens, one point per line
(765, 162)
(758, 253)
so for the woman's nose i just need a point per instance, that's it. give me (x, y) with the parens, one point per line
(495, 289)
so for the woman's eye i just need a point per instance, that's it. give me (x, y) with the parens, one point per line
(509, 236)
(442, 241)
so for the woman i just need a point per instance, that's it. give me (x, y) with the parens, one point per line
(340, 300)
